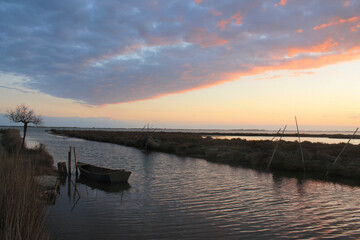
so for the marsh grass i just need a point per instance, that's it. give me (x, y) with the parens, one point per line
(38, 156)
(239, 152)
(21, 210)
(22, 213)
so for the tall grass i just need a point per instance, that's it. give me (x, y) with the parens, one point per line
(39, 157)
(21, 210)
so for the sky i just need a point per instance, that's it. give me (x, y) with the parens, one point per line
(183, 64)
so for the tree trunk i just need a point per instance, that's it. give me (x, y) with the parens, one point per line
(23, 141)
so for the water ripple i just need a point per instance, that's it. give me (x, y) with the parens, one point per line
(182, 198)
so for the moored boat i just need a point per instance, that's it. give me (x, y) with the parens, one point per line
(102, 174)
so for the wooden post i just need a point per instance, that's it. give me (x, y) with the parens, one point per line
(276, 134)
(302, 154)
(276, 148)
(69, 162)
(69, 186)
(76, 169)
(345, 147)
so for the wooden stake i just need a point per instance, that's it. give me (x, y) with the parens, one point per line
(69, 186)
(302, 154)
(276, 148)
(345, 147)
(276, 134)
(69, 162)
(76, 169)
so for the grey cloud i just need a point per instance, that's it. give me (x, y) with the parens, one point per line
(102, 52)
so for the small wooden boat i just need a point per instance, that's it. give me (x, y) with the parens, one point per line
(103, 174)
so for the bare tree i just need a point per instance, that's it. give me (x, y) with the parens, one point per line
(23, 114)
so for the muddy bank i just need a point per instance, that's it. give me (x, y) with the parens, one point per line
(318, 157)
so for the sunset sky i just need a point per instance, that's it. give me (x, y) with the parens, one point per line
(183, 64)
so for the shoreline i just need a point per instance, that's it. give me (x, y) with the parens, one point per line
(213, 132)
(318, 157)
(302, 135)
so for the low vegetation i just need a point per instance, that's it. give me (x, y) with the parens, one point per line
(318, 157)
(23, 114)
(21, 210)
(40, 160)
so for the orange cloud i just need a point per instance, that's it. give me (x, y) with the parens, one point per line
(237, 17)
(223, 24)
(319, 48)
(205, 39)
(311, 63)
(295, 64)
(336, 22)
(283, 2)
(198, 1)
(300, 31)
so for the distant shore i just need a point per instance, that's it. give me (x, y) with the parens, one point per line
(216, 132)
(318, 157)
(302, 135)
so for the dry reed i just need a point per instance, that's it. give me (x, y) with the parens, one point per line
(21, 210)
(22, 213)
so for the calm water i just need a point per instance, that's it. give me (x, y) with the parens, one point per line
(170, 197)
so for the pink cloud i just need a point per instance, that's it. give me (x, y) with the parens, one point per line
(336, 22)
(198, 1)
(295, 64)
(237, 17)
(282, 3)
(205, 39)
(164, 48)
(318, 48)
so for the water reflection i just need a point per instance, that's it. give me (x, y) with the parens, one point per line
(74, 185)
(106, 187)
(184, 198)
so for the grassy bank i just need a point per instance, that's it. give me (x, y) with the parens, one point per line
(237, 152)
(21, 210)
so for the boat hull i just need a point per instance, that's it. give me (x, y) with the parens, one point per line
(103, 174)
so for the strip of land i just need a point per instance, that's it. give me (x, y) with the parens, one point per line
(318, 157)
(302, 135)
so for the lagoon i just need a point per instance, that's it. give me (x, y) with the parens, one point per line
(171, 197)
